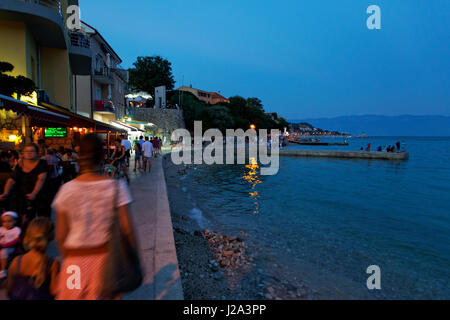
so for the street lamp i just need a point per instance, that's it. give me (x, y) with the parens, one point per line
(252, 126)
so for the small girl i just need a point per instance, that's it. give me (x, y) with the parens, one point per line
(9, 239)
(33, 275)
(109, 168)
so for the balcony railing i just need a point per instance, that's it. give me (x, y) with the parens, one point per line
(103, 75)
(79, 39)
(102, 71)
(104, 106)
(51, 4)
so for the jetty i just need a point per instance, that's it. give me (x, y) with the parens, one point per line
(307, 143)
(399, 156)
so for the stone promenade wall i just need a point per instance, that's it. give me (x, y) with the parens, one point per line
(168, 119)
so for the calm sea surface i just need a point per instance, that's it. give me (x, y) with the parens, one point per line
(324, 221)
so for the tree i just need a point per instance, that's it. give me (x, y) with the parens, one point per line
(255, 103)
(151, 72)
(193, 108)
(9, 84)
(219, 117)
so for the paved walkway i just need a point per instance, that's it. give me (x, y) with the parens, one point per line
(153, 226)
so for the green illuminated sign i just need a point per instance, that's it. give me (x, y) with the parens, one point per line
(56, 132)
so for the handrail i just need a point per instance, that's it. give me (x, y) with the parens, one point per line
(50, 4)
(78, 39)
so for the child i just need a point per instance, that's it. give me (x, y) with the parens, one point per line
(110, 169)
(32, 276)
(9, 239)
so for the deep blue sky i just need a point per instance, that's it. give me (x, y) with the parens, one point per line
(303, 59)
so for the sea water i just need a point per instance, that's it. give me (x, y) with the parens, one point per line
(325, 221)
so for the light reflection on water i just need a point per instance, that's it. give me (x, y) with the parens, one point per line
(252, 177)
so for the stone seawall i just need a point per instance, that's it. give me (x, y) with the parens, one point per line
(168, 119)
(347, 154)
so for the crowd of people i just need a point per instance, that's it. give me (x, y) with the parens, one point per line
(73, 186)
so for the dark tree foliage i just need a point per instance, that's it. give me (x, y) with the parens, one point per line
(239, 113)
(149, 73)
(9, 84)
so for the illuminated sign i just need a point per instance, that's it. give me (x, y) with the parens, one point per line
(56, 132)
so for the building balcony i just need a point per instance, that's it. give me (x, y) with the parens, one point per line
(43, 17)
(103, 106)
(80, 53)
(103, 76)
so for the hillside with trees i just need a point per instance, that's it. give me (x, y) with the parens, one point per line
(239, 113)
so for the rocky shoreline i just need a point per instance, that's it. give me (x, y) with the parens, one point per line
(216, 266)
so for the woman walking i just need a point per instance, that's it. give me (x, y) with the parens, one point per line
(138, 156)
(85, 209)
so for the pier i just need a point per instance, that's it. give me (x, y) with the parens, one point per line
(346, 154)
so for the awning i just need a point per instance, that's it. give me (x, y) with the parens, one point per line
(104, 127)
(49, 115)
(75, 120)
(38, 115)
(124, 126)
(80, 121)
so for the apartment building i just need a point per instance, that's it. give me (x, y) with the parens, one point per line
(101, 91)
(34, 39)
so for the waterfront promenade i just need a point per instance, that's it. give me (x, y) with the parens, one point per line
(153, 226)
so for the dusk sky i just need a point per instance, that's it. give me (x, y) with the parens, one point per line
(303, 59)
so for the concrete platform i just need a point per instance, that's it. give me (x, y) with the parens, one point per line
(346, 154)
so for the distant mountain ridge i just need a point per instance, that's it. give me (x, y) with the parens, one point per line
(377, 125)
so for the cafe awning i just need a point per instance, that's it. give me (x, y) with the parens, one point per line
(37, 115)
(46, 115)
(104, 127)
(80, 121)
(123, 126)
